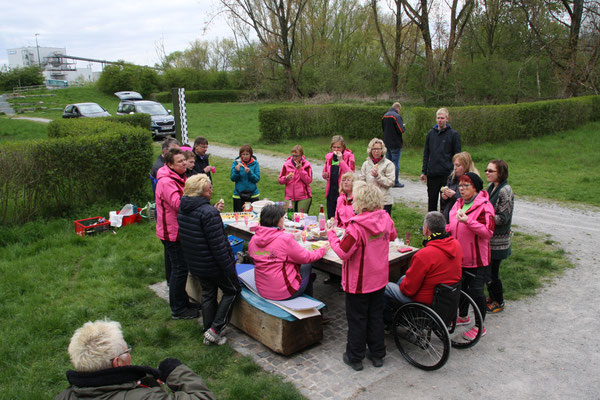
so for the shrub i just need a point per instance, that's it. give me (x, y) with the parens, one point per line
(86, 126)
(121, 76)
(205, 96)
(98, 161)
(476, 124)
(28, 76)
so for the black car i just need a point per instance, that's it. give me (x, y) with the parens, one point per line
(163, 123)
(84, 110)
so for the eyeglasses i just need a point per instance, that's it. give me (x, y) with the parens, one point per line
(490, 170)
(128, 350)
(376, 149)
(464, 186)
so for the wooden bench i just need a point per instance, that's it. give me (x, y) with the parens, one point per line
(278, 334)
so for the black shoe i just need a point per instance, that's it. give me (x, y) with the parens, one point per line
(399, 185)
(195, 306)
(188, 313)
(357, 366)
(377, 362)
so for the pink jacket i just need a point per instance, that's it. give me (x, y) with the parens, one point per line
(277, 258)
(298, 188)
(364, 250)
(346, 165)
(343, 210)
(169, 190)
(474, 235)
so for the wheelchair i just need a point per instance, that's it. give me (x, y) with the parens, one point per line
(424, 334)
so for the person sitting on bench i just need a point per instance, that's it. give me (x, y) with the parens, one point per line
(440, 261)
(282, 268)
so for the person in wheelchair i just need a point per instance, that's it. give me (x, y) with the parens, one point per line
(440, 261)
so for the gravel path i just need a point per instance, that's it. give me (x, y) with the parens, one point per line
(543, 346)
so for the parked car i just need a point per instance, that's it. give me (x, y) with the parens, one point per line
(163, 123)
(84, 110)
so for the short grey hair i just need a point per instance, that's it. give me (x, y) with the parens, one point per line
(95, 345)
(168, 142)
(435, 222)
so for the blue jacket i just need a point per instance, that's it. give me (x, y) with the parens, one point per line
(245, 181)
(440, 147)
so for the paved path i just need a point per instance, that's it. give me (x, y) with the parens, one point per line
(542, 347)
(35, 119)
(5, 106)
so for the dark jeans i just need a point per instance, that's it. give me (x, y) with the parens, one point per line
(434, 184)
(364, 313)
(388, 209)
(332, 204)
(394, 156)
(306, 284)
(167, 266)
(178, 297)
(216, 314)
(495, 284)
(473, 280)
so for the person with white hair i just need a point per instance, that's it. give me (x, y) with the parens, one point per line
(379, 171)
(103, 369)
(365, 272)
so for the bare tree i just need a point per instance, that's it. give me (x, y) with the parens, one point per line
(419, 15)
(275, 23)
(391, 58)
(459, 17)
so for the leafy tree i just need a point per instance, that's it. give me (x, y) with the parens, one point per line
(28, 76)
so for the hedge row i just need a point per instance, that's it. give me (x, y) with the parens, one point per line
(205, 96)
(476, 124)
(52, 177)
(86, 126)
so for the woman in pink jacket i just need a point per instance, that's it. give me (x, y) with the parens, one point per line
(281, 266)
(169, 189)
(296, 175)
(365, 272)
(472, 224)
(337, 162)
(344, 209)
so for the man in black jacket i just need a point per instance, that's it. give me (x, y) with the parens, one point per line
(208, 255)
(393, 129)
(202, 165)
(441, 144)
(166, 145)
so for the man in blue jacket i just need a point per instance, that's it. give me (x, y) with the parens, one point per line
(441, 144)
(393, 129)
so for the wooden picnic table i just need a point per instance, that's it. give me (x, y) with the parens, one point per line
(399, 262)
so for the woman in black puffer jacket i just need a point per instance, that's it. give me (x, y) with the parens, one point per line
(208, 254)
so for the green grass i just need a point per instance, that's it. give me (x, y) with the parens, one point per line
(13, 129)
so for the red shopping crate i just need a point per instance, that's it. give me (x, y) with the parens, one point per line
(91, 226)
(131, 219)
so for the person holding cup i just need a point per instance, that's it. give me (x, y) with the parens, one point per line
(296, 175)
(379, 171)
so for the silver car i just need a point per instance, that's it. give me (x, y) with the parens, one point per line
(163, 123)
(84, 110)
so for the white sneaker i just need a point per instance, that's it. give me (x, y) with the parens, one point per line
(214, 337)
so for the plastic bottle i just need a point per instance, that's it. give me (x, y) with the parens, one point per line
(322, 220)
(290, 211)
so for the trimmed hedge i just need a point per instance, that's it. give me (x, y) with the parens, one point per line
(92, 126)
(205, 96)
(52, 177)
(476, 124)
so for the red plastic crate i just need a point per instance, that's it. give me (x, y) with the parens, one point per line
(91, 226)
(131, 219)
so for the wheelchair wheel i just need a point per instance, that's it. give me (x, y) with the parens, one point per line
(421, 336)
(475, 320)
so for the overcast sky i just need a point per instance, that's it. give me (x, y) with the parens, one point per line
(111, 30)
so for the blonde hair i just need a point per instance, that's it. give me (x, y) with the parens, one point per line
(466, 160)
(372, 143)
(196, 185)
(337, 138)
(347, 175)
(443, 111)
(95, 345)
(298, 149)
(367, 197)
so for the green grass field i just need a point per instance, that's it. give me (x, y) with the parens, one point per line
(14, 129)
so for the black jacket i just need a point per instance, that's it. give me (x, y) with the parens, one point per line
(202, 163)
(160, 161)
(393, 128)
(206, 248)
(440, 147)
